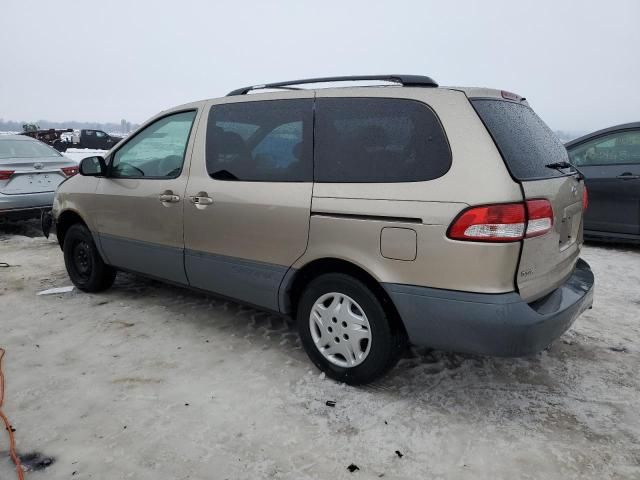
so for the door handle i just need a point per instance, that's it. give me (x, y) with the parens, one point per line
(201, 199)
(168, 198)
(628, 176)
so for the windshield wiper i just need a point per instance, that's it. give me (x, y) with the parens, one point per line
(559, 165)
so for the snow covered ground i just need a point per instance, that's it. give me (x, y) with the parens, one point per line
(149, 381)
(77, 154)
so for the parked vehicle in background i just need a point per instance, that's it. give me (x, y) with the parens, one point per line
(610, 162)
(62, 139)
(372, 215)
(30, 172)
(94, 139)
(57, 138)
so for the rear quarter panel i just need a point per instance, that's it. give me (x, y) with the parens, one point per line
(477, 176)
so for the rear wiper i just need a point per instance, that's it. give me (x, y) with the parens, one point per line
(559, 165)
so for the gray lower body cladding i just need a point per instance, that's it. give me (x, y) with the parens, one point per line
(487, 324)
(250, 281)
(491, 324)
(152, 259)
(256, 283)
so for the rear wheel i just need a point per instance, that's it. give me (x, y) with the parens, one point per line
(346, 331)
(84, 264)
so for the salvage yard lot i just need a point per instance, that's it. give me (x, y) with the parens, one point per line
(149, 381)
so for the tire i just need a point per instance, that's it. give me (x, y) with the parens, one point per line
(60, 146)
(325, 298)
(84, 264)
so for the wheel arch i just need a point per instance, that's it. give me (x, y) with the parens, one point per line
(296, 280)
(65, 220)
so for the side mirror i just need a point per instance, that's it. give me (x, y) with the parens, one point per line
(93, 167)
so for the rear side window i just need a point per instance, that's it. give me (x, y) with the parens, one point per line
(526, 143)
(376, 140)
(261, 141)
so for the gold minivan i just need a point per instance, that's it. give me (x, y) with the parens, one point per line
(374, 215)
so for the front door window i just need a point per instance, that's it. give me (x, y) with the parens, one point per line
(157, 151)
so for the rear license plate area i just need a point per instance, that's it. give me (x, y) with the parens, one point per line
(34, 182)
(566, 231)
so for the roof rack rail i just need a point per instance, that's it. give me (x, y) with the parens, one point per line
(404, 80)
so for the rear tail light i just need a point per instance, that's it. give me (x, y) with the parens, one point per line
(585, 198)
(490, 223)
(69, 171)
(507, 222)
(6, 174)
(539, 216)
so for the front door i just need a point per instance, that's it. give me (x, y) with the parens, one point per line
(139, 205)
(611, 165)
(102, 140)
(249, 196)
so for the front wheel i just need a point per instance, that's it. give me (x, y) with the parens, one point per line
(60, 146)
(346, 331)
(84, 264)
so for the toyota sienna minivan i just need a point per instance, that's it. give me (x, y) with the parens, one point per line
(373, 215)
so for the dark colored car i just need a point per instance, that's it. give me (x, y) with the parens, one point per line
(94, 139)
(610, 161)
(51, 136)
(61, 140)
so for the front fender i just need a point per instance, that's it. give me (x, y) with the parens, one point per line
(77, 195)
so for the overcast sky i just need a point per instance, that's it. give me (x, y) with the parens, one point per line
(578, 63)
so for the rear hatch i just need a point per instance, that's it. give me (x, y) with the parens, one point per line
(527, 146)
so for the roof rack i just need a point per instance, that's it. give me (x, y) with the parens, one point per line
(404, 80)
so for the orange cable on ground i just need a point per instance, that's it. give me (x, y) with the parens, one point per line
(12, 440)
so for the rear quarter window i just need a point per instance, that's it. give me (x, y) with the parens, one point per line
(526, 143)
(378, 140)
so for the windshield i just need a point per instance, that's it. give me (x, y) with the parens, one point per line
(526, 143)
(12, 148)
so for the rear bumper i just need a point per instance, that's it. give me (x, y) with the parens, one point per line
(22, 214)
(491, 324)
(12, 204)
